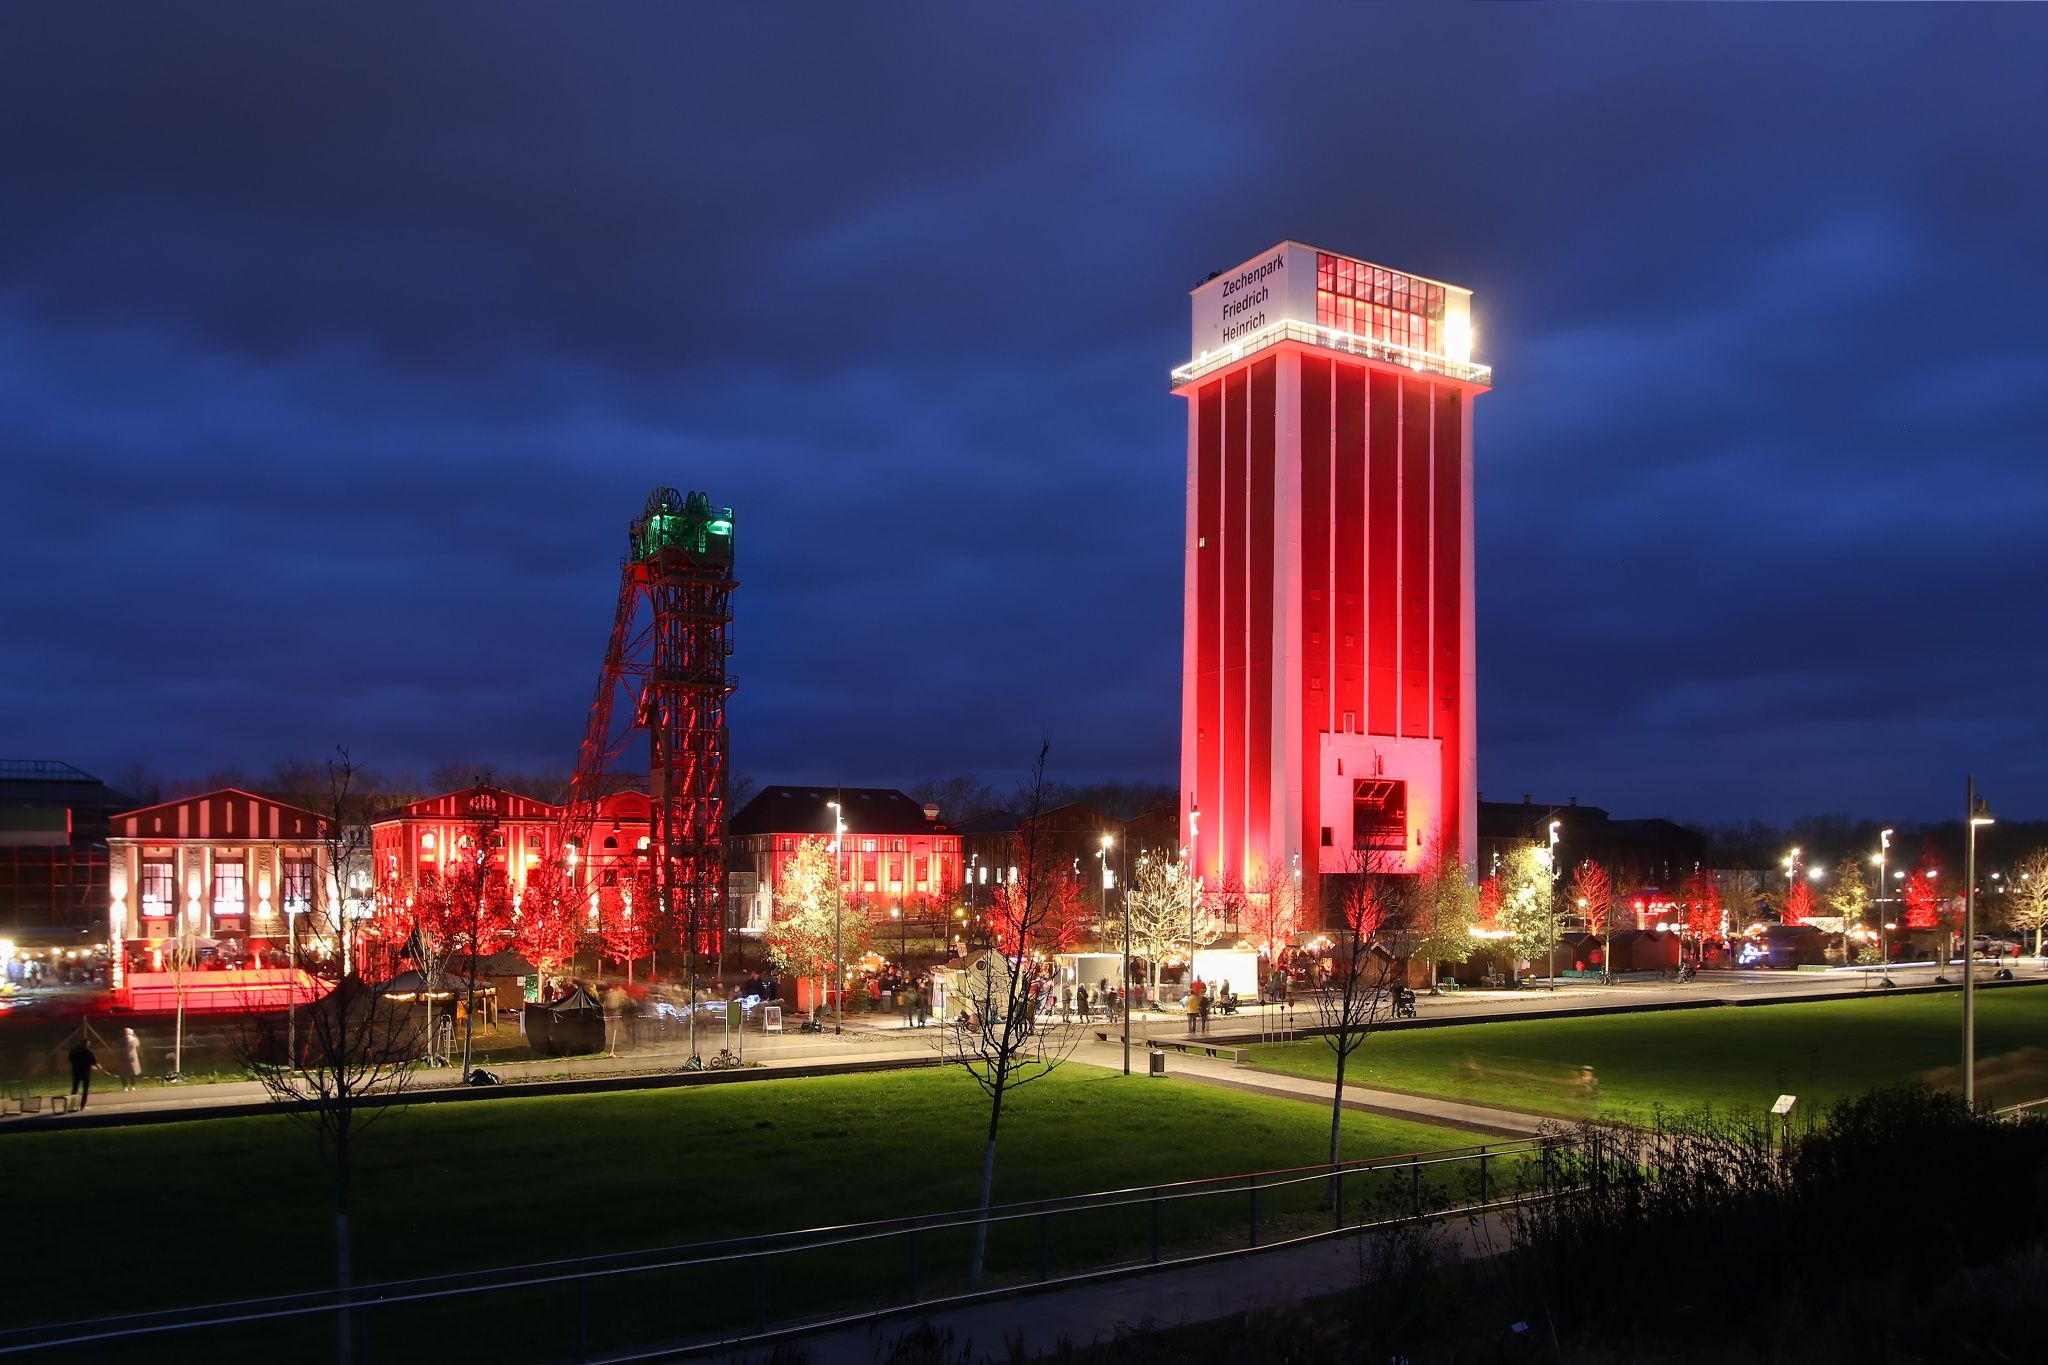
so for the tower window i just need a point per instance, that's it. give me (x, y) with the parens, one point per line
(1379, 815)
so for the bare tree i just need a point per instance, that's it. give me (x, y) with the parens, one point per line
(344, 1062)
(1273, 908)
(1739, 900)
(2028, 890)
(1003, 1038)
(960, 797)
(1370, 902)
(180, 955)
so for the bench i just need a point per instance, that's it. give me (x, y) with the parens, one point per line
(1221, 1054)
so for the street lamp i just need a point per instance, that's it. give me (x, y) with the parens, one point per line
(1124, 988)
(838, 913)
(1977, 812)
(1884, 947)
(1555, 826)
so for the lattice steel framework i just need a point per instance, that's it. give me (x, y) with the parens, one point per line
(665, 677)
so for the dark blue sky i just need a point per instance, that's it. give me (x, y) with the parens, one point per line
(335, 357)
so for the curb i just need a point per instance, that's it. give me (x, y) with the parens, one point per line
(446, 1094)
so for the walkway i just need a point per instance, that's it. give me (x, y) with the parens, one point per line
(644, 1068)
(1477, 1118)
(1034, 1323)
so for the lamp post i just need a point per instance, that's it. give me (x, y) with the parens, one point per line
(1124, 987)
(1884, 951)
(1555, 826)
(1977, 812)
(291, 938)
(838, 913)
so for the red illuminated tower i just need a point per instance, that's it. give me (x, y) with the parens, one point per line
(1327, 681)
(665, 676)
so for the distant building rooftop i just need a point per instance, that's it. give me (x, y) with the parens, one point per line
(47, 783)
(807, 810)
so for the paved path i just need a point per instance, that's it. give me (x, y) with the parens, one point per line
(1477, 1118)
(799, 1054)
(1035, 1323)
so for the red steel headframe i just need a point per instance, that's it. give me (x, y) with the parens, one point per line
(670, 640)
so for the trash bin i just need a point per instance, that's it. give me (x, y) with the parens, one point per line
(1158, 1062)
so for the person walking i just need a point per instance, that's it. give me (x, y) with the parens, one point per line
(131, 1059)
(1081, 1001)
(1202, 1012)
(1193, 1006)
(614, 1017)
(83, 1064)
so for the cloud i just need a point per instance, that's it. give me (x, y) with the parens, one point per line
(335, 357)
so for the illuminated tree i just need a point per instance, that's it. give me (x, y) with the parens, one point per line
(625, 920)
(1592, 893)
(2028, 893)
(1849, 897)
(1923, 900)
(422, 917)
(1700, 905)
(1798, 905)
(1057, 922)
(811, 921)
(1490, 900)
(478, 900)
(549, 925)
(1164, 901)
(1443, 910)
(1526, 911)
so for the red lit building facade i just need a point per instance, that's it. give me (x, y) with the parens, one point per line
(894, 853)
(1327, 679)
(231, 865)
(429, 835)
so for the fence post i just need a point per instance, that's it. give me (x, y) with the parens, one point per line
(913, 1265)
(1252, 1183)
(760, 1293)
(1415, 1183)
(1044, 1244)
(1155, 1226)
(1482, 1177)
(582, 1318)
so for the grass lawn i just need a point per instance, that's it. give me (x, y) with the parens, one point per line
(230, 1207)
(1728, 1057)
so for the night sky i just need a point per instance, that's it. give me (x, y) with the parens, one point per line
(337, 350)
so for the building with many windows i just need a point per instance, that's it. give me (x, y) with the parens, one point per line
(1327, 676)
(894, 852)
(425, 837)
(53, 855)
(231, 869)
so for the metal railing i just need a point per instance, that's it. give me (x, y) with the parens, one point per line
(1332, 339)
(750, 1290)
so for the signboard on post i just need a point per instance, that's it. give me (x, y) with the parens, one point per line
(771, 1018)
